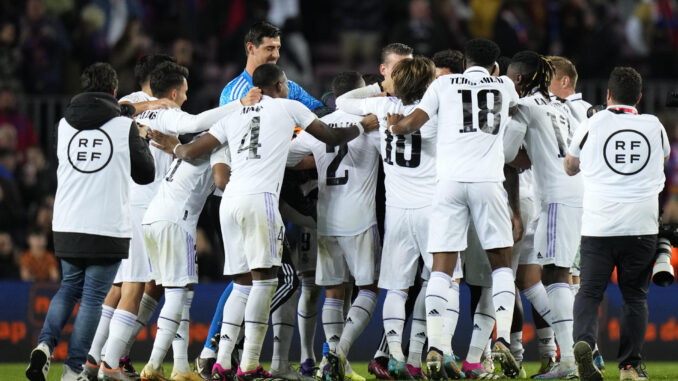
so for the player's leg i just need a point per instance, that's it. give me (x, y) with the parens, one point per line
(208, 356)
(483, 326)
(307, 318)
(517, 349)
(558, 250)
(491, 216)
(101, 336)
(418, 331)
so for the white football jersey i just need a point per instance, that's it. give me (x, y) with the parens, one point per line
(259, 137)
(182, 194)
(347, 178)
(546, 128)
(472, 110)
(409, 160)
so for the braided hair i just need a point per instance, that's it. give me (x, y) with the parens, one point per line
(537, 69)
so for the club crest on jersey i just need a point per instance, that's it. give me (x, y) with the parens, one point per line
(90, 151)
(626, 152)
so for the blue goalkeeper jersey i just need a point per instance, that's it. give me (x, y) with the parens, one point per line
(241, 84)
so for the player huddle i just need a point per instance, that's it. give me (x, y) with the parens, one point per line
(472, 146)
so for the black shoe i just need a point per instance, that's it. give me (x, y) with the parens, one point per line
(336, 367)
(583, 356)
(204, 367)
(435, 365)
(39, 364)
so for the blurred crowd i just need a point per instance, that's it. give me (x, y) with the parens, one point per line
(45, 44)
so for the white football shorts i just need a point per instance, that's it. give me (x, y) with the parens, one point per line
(340, 257)
(171, 250)
(304, 242)
(456, 203)
(523, 250)
(558, 234)
(253, 232)
(137, 266)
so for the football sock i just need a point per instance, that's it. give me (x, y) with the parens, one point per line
(217, 318)
(393, 315)
(102, 332)
(451, 317)
(180, 342)
(536, 295)
(356, 320)
(168, 323)
(256, 321)
(546, 346)
(146, 309)
(438, 295)
(561, 301)
(483, 325)
(121, 330)
(283, 329)
(517, 346)
(418, 329)
(503, 298)
(333, 321)
(233, 315)
(307, 316)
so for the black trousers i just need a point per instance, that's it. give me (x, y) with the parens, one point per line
(634, 257)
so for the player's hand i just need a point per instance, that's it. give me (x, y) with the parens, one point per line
(517, 224)
(163, 103)
(143, 130)
(370, 122)
(162, 141)
(392, 119)
(252, 97)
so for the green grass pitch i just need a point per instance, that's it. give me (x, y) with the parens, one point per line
(656, 370)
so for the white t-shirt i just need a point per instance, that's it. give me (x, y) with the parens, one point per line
(409, 160)
(621, 158)
(259, 137)
(347, 178)
(472, 110)
(545, 127)
(182, 194)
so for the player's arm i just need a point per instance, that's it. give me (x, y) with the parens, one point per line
(185, 123)
(398, 125)
(512, 186)
(189, 151)
(514, 139)
(299, 94)
(299, 157)
(220, 160)
(141, 160)
(571, 163)
(354, 101)
(337, 136)
(150, 105)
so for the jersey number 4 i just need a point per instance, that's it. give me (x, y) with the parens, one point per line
(332, 178)
(253, 145)
(483, 111)
(401, 161)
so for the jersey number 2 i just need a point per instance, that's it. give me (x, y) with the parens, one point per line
(253, 145)
(332, 178)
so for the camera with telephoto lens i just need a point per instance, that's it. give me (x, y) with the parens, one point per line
(662, 273)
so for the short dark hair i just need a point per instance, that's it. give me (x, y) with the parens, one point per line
(167, 76)
(260, 30)
(395, 48)
(625, 85)
(346, 81)
(411, 77)
(99, 77)
(145, 65)
(266, 75)
(481, 51)
(449, 59)
(503, 63)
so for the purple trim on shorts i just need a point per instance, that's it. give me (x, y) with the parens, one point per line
(270, 213)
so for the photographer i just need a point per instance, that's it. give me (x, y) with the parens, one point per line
(98, 150)
(621, 155)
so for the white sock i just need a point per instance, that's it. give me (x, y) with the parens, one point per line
(438, 295)
(234, 314)
(102, 332)
(283, 329)
(207, 353)
(517, 349)
(561, 300)
(307, 316)
(574, 288)
(146, 309)
(333, 321)
(451, 318)
(546, 345)
(256, 321)
(483, 325)
(121, 329)
(168, 323)
(393, 315)
(382, 350)
(357, 319)
(503, 298)
(418, 329)
(181, 340)
(537, 296)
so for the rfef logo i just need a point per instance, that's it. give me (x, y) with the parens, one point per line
(627, 152)
(90, 151)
